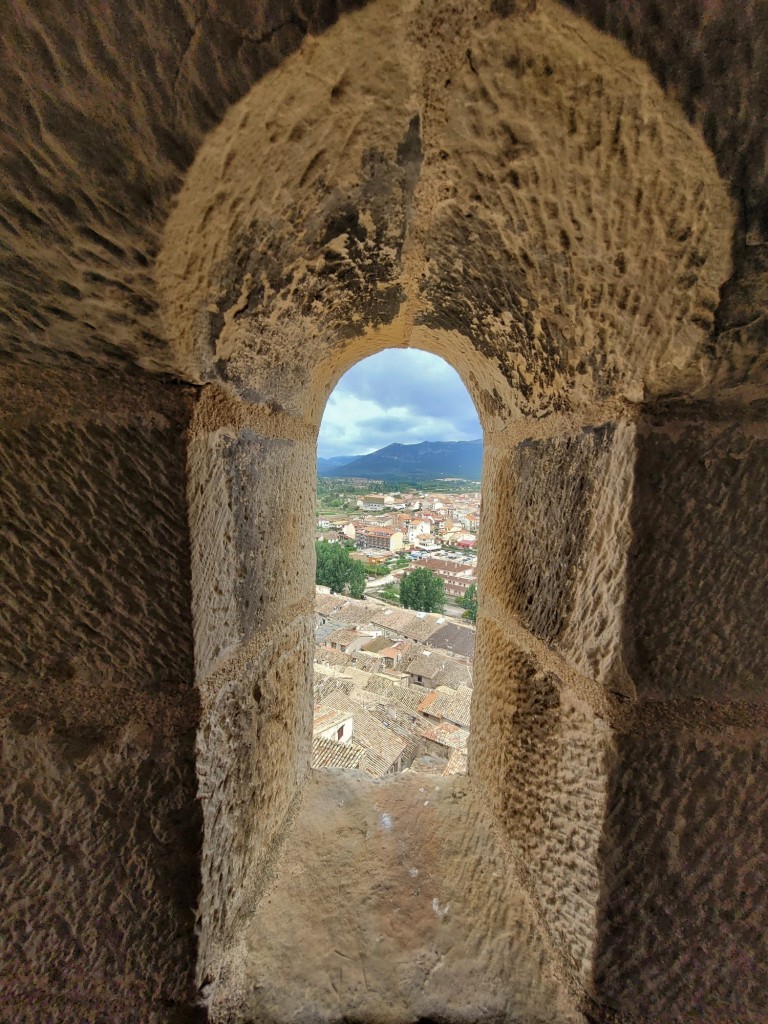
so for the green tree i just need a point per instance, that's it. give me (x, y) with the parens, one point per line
(469, 603)
(336, 570)
(332, 566)
(422, 591)
(356, 579)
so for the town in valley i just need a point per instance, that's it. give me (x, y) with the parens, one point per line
(393, 673)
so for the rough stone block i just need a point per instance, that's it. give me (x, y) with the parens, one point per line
(95, 561)
(253, 750)
(698, 564)
(99, 850)
(542, 757)
(557, 515)
(683, 919)
(101, 829)
(251, 505)
(407, 908)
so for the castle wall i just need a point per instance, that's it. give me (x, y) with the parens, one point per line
(101, 831)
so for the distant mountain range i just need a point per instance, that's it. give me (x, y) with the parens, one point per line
(332, 463)
(428, 460)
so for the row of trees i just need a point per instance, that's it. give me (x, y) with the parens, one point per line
(425, 592)
(335, 569)
(420, 590)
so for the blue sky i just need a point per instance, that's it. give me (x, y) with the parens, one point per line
(397, 395)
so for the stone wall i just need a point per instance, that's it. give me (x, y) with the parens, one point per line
(247, 203)
(698, 560)
(540, 755)
(684, 846)
(548, 665)
(101, 830)
(682, 916)
(620, 728)
(251, 497)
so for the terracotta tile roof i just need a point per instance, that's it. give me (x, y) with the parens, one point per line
(455, 707)
(325, 684)
(354, 613)
(457, 764)
(409, 698)
(365, 661)
(391, 618)
(374, 764)
(367, 698)
(380, 684)
(454, 674)
(336, 659)
(398, 649)
(329, 754)
(327, 603)
(414, 651)
(398, 721)
(327, 716)
(455, 639)
(421, 626)
(376, 531)
(446, 733)
(427, 665)
(379, 742)
(377, 645)
(440, 670)
(336, 663)
(427, 702)
(342, 636)
(435, 564)
(394, 717)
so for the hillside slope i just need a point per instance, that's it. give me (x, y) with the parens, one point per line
(424, 461)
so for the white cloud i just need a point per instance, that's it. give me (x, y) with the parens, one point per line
(398, 395)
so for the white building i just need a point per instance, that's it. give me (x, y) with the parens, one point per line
(333, 725)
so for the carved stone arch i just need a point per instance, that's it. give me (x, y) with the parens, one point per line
(525, 202)
(498, 183)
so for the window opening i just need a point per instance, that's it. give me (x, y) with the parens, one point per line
(398, 515)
